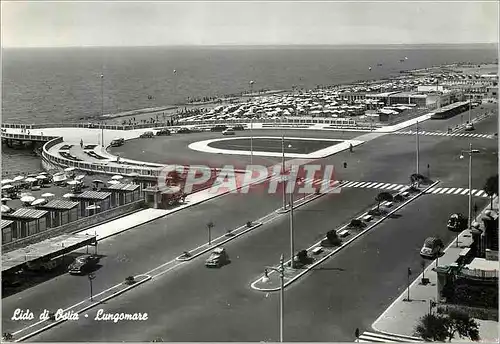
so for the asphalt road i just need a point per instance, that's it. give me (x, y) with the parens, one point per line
(196, 311)
(350, 290)
(174, 149)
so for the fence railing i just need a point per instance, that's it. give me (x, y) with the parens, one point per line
(95, 167)
(27, 137)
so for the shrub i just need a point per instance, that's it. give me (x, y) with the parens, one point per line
(249, 224)
(357, 223)
(302, 257)
(333, 238)
(130, 280)
(399, 198)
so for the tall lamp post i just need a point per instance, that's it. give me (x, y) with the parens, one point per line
(418, 151)
(283, 177)
(102, 108)
(265, 279)
(251, 141)
(470, 152)
(292, 262)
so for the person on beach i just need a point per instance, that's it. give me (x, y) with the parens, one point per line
(81, 143)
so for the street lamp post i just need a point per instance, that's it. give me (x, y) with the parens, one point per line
(102, 108)
(281, 271)
(292, 263)
(283, 167)
(91, 277)
(470, 152)
(251, 141)
(418, 151)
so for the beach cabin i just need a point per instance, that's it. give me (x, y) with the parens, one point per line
(61, 212)
(97, 200)
(122, 194)
(6, 230)
(27, 222)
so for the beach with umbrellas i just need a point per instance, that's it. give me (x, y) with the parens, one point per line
(38, 189)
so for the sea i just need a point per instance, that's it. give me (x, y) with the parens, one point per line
(63, 85)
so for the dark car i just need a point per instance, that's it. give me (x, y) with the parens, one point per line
(147, 135)
(83, 264)
(183, 130)
(433, 247)
(457, 223)
(218, 258)
(219, 128)
(163, 132)
(238, 127)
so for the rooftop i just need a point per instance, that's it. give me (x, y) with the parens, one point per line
(124, 187)
(483, 264)
(59, 204)
(26, 213)
(92, 195)
(6, 223)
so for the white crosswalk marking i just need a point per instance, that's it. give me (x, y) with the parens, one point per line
(349, 184)
(398, 187)
(431, 190)
(436, 190)
(451, 190)
(385, 185)
(443, 191)
(466, 191)
(372, 337)
(455, 133)
(378, 185)
(355, 185)
(369, 185)
(458, 190)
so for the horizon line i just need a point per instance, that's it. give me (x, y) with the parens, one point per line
(251, 45)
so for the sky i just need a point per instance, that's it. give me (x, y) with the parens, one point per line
(141, 23)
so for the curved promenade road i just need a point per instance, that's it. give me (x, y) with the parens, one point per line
(142, 247)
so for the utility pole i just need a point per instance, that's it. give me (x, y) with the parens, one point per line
(102, 108)
(292, 251)
(283, 169)
(418, 152)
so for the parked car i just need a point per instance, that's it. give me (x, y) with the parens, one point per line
(220, 127)
(457, 223)
(147, 135)
(183, 130)
(228, 132)
(84, 263)
(163, 132)
(238, 127)
(118, 142)
(469, 127)
(218, 258)
(433, 247)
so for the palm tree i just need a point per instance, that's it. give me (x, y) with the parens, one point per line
(381, 197)
(491, 188)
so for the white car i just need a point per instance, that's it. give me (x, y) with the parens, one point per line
(469, 127)
(229, 131)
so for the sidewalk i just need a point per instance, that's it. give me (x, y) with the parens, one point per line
(402, 316)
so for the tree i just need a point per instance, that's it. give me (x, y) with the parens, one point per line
(491, 188)
(175, 177)
(437, 327)
(332, 237)
(432, 327)
(416, 178)
(381, 197)
(460, 322)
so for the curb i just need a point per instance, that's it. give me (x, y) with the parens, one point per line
(343, 245)
(86, 308)
(181, 258)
